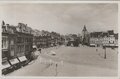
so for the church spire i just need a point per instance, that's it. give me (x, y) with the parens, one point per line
(84, 29)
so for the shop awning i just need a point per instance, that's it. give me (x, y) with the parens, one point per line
(22, 58)
(6, 65)
(14, 61)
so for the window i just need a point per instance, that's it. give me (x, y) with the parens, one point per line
(3, 29)
(12, 52)
(18, 49)
(12, 42)
(26, 47)
(4, 42)
(25, 39)
(19, 40)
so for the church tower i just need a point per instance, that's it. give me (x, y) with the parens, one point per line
(84, 31)
(85, 36)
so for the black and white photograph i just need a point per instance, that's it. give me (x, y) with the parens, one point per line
(59, 39)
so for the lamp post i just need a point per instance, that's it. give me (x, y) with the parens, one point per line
(56, 69)
(104, 52)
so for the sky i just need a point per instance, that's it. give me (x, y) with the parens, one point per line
(62, 18)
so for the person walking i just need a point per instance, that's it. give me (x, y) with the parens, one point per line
(96, 49)
(39, 50)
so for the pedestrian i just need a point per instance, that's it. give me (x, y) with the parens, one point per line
(96, 49)
(32, 54)
(39, 50)
(28, 56)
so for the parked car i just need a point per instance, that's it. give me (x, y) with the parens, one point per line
(52, 53)
(92, 45)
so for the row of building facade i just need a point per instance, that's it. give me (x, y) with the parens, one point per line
(106, 38)
(18, 41)
(45, 39)
(15, 43)
(103, 38)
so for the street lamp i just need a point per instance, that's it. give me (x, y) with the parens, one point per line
(104, 52)
(56, 69)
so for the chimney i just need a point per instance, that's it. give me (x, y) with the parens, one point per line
(3, 23)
